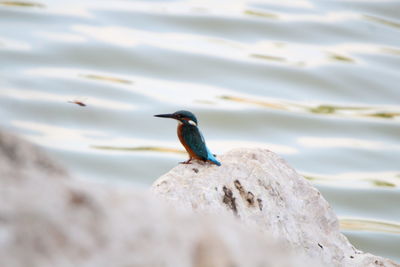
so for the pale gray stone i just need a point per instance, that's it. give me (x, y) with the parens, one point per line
(50, 220)
(260, 189)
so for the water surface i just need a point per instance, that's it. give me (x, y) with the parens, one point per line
(315, 81)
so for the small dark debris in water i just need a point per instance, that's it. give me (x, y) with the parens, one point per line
(351, 257)
(320, 246)
(195, 170)
(80, 103)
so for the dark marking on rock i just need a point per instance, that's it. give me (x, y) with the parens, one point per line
(195, 170)
(250, 198)
(260, 204)
(163, 183)
(271, 191)
(229, 200)
(78, 198)
(319, 245)
(239, 186)
(247, 196)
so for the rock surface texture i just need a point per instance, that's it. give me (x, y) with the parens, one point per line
(259, 188)
(50, 219)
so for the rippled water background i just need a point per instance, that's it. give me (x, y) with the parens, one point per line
(315, 81)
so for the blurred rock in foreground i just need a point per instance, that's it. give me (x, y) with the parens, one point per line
(259, 188)
(48, 219)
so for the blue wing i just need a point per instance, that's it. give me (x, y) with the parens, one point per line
(195, 140)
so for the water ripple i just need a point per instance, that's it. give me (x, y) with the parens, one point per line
(360, 224)
(356, 111)
(370, 179)
(10, 44)
(32, 96)
(22, 4)
(295, 55)
(383, 21)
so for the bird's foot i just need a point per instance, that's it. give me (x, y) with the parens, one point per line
(186, 162)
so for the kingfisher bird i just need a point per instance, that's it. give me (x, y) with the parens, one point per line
(191, 137)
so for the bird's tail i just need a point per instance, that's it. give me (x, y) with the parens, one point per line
(215, 161)
(212, 158)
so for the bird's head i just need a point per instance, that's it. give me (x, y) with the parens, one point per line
(184, 116)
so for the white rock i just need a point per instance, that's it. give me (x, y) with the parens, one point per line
(49, 220)
(259, 188)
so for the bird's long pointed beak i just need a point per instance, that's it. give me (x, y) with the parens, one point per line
(171, 116)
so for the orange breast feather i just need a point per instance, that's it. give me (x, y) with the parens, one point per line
(189, 151)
